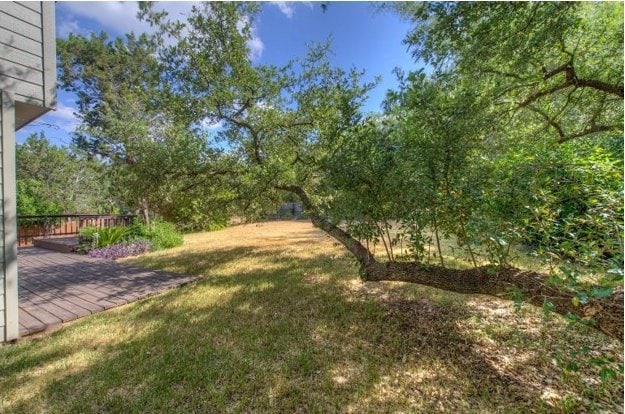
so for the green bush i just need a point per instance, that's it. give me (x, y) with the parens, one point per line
(96, 237)
(564, 203)
(164, 235)
(161, 234)
(86, 234)
(137, 230)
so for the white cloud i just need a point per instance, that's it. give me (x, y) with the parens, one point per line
(256, 46)
(68, 26)
(121, 17)
(116, 16)
(65, 112)
(287, 8)
(64, 117)
(264, 105)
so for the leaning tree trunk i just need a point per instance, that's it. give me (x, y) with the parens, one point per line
(605, 314)
(144, 211)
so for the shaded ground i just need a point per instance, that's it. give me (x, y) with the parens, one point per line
(281, 323)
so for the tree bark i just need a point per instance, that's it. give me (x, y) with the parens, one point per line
(571, 79)
(145, 212)
(605, 314)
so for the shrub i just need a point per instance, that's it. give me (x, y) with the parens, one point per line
(161, 234)
(564, 203)
(110, 236)
(137, 230)
(101, 237)
(164, 235)
(86, 234)
(118, 251)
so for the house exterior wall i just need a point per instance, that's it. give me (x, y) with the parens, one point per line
(3, 334)
(8, 226)
(27, 53)
(27, 91)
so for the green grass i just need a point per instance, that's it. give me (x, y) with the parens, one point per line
(280, 322)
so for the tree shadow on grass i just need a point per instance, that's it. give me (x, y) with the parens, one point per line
(279, 340)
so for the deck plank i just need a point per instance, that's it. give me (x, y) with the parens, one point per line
(56, 287)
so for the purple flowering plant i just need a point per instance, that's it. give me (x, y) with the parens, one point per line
(117, 251)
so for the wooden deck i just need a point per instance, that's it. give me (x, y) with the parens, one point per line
(60, 244)
(59, 287)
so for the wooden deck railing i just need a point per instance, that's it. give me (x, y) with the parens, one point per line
(29, 227)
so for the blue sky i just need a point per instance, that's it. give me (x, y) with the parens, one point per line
(362, 36)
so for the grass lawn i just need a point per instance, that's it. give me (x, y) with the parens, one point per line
(280, 322)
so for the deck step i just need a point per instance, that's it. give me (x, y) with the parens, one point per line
(59, 244)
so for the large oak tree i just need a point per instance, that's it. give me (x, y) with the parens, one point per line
(422, 165)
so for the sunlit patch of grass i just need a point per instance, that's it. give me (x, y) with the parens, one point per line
(280, 322)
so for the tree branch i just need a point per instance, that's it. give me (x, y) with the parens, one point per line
(539, 94)
(602, 86)
(593, 129)
(253, 132)
(553, 72)
(549, 120)
(572, 80)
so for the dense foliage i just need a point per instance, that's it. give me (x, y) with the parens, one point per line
(160, 165)
(540, 129)
(556, 64)
(60, 180)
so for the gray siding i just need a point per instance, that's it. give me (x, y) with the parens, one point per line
(8, 228)
(17, 25)
(20, 42)
(22, 13)
(28, 52)
(2, 295)
(33, 5)
(21, 58)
